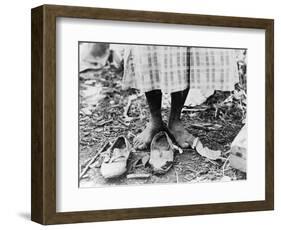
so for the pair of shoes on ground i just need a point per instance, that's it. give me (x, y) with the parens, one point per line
(161, 156)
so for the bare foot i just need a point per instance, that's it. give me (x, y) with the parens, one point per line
(143, 140)
(182, 137)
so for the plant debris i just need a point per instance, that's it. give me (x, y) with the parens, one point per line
(115, 112)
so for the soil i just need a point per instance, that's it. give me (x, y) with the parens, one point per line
(107, 111)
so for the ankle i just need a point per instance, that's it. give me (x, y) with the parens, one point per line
(156, 120)
(174, 121)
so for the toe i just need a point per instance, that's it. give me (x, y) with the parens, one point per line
(136, 143)
(187, 142)
(184, 144)
(142, 146)
(136, 140)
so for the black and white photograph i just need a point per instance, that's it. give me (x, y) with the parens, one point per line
(161, 114)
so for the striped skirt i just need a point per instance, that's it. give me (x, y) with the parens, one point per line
(172, 69)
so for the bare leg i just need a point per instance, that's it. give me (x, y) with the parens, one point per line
(175, 125)
(154, 99)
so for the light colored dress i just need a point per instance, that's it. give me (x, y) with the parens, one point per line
(167, 68)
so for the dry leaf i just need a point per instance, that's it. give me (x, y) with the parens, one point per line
(206, 152)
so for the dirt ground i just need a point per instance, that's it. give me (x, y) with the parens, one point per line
(107, 111)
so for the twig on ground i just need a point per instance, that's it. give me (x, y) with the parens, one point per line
(93, 160)
(104, 122)
(128, 106)
(138, 176)
(206, 126)
(194, 109)
(211, 161)
(224, 165)
(130, 134)
(123, 123)
(177, 176)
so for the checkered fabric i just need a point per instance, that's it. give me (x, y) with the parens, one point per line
(166, 68)
(213, 69)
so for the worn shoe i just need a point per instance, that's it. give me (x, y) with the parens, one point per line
(115, 161)
(161, 153)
